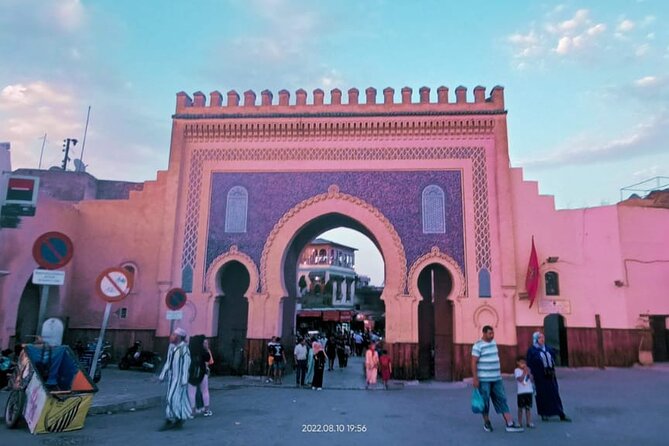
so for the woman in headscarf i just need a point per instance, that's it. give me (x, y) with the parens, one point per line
(198, 376)
(319, 365)
(175, 371)
(310, 364)
(540, 359)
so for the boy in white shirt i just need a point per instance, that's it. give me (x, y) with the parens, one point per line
(524, 384)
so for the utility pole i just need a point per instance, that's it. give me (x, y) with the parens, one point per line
(66, 144)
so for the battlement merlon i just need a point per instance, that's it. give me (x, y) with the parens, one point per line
(407, 102)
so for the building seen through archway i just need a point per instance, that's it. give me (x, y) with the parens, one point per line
(331, 296)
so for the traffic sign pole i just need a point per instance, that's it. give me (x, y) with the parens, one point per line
(98, 348)
(43, 301)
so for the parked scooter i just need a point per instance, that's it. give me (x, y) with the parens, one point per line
(135, 357)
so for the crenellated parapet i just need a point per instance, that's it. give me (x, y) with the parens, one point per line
(425, 102)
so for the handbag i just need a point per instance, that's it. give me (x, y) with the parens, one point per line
(477, 401)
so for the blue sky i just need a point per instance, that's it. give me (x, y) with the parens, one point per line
(586, 83)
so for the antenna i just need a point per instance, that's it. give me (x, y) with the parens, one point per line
(83, 143)
(42, 152)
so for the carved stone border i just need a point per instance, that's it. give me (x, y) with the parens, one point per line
(436, 256)
(232, 255)
(333, 194)
(474, 153)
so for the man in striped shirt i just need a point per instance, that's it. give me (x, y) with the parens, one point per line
(487, 377)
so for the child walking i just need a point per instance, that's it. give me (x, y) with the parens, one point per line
(524, 384)
(386, 367)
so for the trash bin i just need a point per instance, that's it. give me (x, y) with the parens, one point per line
(49, 390)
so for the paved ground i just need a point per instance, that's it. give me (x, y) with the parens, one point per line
(612, 407)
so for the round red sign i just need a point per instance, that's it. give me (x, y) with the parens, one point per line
(52, 250)
(114, 284)
(175, 299)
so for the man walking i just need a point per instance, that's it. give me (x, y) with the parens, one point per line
(175, 371)
(300, 354)
(487, 377)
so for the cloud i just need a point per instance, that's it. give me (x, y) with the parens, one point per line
(27, 111)
(282, 49)
(645, 138)
(579, 37)
(625, 26)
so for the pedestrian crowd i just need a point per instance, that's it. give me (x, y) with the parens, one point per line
(188, 364)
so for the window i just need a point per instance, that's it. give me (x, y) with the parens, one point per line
(484, 283)
(552, 280)
(236, 209)
(434, 213)
(131, 268)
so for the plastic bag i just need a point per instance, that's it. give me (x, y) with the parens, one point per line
(477, 401)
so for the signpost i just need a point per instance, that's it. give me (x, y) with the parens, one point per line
(51, 250)
(175, 300)
(112, 285)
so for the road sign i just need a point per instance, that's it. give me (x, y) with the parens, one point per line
(52, 250)
(114, 284)
(175, 299)
(174, 315)
(48, 277)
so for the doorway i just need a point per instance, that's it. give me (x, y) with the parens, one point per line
(555, 334)
(232, 318)
(435, 324)
(658, 327)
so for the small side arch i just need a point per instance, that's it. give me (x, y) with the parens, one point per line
(459, 289)
(212, 279)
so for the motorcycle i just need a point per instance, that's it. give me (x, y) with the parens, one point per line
(135, 357)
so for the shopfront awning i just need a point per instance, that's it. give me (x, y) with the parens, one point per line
(309, 313)
(331, 316)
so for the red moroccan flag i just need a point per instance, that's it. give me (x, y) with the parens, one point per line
(532, 278)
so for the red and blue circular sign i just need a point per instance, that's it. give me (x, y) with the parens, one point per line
(175, 299)
(52, 250)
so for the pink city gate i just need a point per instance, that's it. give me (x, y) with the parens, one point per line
(262, 180)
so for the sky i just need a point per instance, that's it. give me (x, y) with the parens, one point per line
(586, 82)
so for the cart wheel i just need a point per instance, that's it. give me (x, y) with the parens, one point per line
(14, 408)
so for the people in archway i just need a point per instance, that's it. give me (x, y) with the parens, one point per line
(541, 360)
(198, 374)
(270, 360)
(341, 352)
(175, 371)
(331, 352)
(371, 365)
(487, 378)
(358, 343)
(300, 354)
(385, 367)
(310, 363)
(319, 366)
(279, 362)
